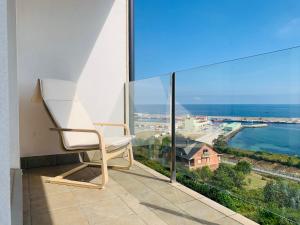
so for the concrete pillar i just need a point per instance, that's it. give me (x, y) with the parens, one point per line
(5, 212)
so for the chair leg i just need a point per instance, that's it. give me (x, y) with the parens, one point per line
(130, 155)
(130, 160)
(104, 170)
(60, 179)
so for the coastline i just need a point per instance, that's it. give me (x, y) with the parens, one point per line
(280, 120)
(209, 131)
(256, 119)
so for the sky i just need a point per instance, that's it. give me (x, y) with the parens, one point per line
(174, 35)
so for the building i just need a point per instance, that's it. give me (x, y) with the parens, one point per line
(191, 124)
(229, 127)
(196, 154)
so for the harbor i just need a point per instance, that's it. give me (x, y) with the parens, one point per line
(255, 119)
(276, 135)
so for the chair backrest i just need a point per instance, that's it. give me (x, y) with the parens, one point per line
(66, 110)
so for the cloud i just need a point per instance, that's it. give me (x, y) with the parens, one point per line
(197, 98)
(291, 28)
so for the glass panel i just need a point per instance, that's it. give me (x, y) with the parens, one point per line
(238, 134)
(150, 121)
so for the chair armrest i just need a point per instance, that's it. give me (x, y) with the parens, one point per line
(125, 127)
(99, 135)
(74, 130)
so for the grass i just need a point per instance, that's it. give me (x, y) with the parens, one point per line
(256, 181)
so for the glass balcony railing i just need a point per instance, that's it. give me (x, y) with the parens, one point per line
(150, 102)
(236, 135)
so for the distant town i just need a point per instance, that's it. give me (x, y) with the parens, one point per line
(199, 132)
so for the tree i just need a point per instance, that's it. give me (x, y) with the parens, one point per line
(226, 177)
(282, 194)
(289, 161)
(244, 167)
(271, 192)
(156, 148)
(166, 141)
(205, 174)
(220, 144)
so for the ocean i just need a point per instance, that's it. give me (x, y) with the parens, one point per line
(276, 138)
(243, 110)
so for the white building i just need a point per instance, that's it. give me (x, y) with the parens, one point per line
(191, 124)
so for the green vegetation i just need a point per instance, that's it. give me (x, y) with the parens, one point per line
(243, 167)
(255, 181)
(266, 200)
(204, 174)
(282, 194)
(220, 144)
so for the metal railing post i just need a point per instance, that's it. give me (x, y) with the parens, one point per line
(173, 131)
(131, 65)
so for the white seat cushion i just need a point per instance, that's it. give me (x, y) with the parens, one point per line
(111, 143)
(71, 114)
(67, 111)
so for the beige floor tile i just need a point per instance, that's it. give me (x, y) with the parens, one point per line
(200, 211)
(120, 175)
(142, 176)
(26, 203)
(133, 203)
(118, 161)
(171, 214)
(134, 197)
(84, 175)
(66, 216)
(86, 195)
(45, 171)
(124, 220)
(154, 183)
(116, 188)
(227, 221)
(26, 218)
(243, 220)
(133, 186)
(174, 195)
(150, 218)
(38, 187)
(52, 202)
(217, 206)
(152, 197)
(25, 183)
(188, 191)
(109, 209)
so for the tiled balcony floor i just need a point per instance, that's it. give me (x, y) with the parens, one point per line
(135, 197)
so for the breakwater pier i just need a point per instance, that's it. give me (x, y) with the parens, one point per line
(264, 120)
(259, 125)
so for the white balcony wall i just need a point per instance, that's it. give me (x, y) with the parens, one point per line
(9, 149)
(13, 86)
(4, 119)
(83, 41)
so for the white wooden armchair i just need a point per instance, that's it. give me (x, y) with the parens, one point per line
(78, 133)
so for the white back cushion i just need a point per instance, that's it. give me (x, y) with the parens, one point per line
(62, 101)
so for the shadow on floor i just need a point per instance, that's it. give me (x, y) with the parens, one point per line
(141, 175)
(170, 211)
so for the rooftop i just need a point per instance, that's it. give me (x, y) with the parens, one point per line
(138, 196)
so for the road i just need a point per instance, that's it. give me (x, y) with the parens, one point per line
(212, 134)
(273, 173)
